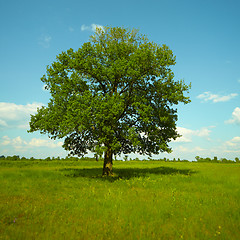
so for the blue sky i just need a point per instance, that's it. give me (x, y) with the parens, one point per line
(204, 36)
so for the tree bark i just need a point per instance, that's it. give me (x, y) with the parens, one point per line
(107, 165)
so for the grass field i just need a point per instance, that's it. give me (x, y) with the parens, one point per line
(145, 200)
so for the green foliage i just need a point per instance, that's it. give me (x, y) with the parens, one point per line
(116, 92)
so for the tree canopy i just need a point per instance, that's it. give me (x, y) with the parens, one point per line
(116, 93)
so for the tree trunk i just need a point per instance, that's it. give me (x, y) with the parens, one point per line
(107, 165)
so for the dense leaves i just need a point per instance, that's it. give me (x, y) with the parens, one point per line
(116, 92)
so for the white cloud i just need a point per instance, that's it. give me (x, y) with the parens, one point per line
(203, 132)
(35, 142)
(71, 29)
(14, 115)
(233, 142)
(195, 150)
(236, 140)
(232, 145)
(35, 147)
(18, 142)
(208, 96)
(5, 140)
(187, 134)
(45, 40)
(92, 27)
(3, 123)
(235, 117)
(85, 28)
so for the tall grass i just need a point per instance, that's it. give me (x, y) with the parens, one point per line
(144, 200)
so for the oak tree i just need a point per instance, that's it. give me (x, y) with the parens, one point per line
(115, 94)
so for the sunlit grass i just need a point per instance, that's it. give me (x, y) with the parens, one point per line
(144, 200)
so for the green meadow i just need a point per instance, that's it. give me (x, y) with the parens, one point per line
(144, 200)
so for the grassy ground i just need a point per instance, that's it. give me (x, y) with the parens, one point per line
(145, 200)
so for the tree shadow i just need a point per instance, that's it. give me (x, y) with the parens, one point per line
(124, 173)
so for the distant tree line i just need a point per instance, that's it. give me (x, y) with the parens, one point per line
(18, 158)
(216, 160)
(125, 158)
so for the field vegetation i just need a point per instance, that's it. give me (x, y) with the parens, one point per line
(69, 199)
